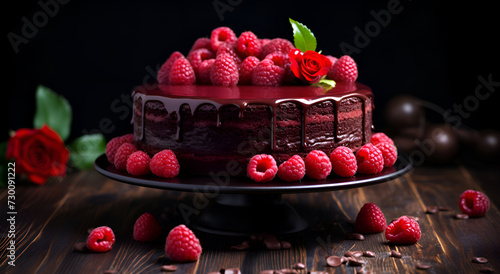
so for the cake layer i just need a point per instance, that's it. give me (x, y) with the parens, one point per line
(208, 127)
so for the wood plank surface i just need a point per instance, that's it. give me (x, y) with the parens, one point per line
(51, 219)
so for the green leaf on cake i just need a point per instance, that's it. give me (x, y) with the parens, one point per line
(53, 110)
(303, 38)
(85, 149)
(327, 84)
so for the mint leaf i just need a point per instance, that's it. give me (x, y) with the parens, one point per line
(53, 110)
(303, 38)
(327, 84)
(85, 149)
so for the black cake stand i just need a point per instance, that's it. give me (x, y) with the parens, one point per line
(240, 206)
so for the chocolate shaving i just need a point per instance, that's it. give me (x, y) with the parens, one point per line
(355, 236)
(423, 266)
(432, 209)
(396, 254)
(461, 216)
(369, 253)
(334, 261)
(479, 260)
(299, 266)
(168, 268)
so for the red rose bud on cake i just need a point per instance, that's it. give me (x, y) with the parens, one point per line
(474, 203)
(164, 164)
(318, 165)
(344, 69)
(309, 66)
(389, 153)
(182, 245)
(370, 219)
(146, 228)
(380, 137)
(343, 162)
(39, 153)
(101, 239)
(262, 168)
(293, 169)
(370, 159)
(404, 230)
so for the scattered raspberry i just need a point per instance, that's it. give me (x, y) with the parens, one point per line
(389, 153)
(404, 230)
(222, 35)
(343, 162)
(164, 164)
(370, 219)
(224, 71)
(204, 71)
(344, 69)
(370, 159)
(474, 203)
(380, 137)
(279, 45)
(101, 239)
(293, 169)
(262, 168)
(182, 73)
(267, 73)
(163, 76)
(182, 245)
(146, 228)
(122, 154)
(246, 70)
(248, 44)
(113, 145)
(201, 43)
(138, 163)
(318, 165)
(197, 56)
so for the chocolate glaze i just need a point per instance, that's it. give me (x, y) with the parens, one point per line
(175, 99)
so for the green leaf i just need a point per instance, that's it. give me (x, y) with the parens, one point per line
(53, 110)
(303, 38)
(327, 84)
(85, 149)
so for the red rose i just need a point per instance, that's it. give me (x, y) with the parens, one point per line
(309, 66)
(39, 153)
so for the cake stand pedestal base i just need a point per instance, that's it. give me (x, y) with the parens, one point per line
(247, 214)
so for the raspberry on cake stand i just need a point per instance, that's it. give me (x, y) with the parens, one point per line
(240, 206)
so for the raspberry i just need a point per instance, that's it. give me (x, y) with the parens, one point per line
(343, 162)
(114, 144)
(122, 154)
(222, 35)
(370, 159)
(389, 153)
(196, 57)
(101, 239)
(201, 43)
(344, 69)
(248, 44)
(474, 203)
(264, 41)
(318, 165)
(267, 73)
(246, 70)
(163, 76)
(380, 137)
(293, 169)
(204, 71)
(279, 45)
(164, 164)
(224, 71)
(370, 219)
(229, 49)
(182, 73)
(262, 168)
(138, 163)
(146, 228)
(182, 245)
(404, 230)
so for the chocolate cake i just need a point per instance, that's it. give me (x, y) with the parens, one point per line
(214, 128)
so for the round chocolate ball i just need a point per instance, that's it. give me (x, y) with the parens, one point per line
(440, 144)
(488, 145)
(404, 111)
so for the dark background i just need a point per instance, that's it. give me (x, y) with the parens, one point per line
(95, 52)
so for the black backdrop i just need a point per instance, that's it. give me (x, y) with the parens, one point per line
(95, 52)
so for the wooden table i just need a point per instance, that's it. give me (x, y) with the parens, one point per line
(51, 219)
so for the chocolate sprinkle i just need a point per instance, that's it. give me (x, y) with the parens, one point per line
(432, 209)
(243, 246)
(299, 266)
(462, 216)
(285, 244)
(369, 253)
(354, 262)
(396, 254)
(423, 266)
(168, 268)
(479, 260)
(355, 236)
(334, 261)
